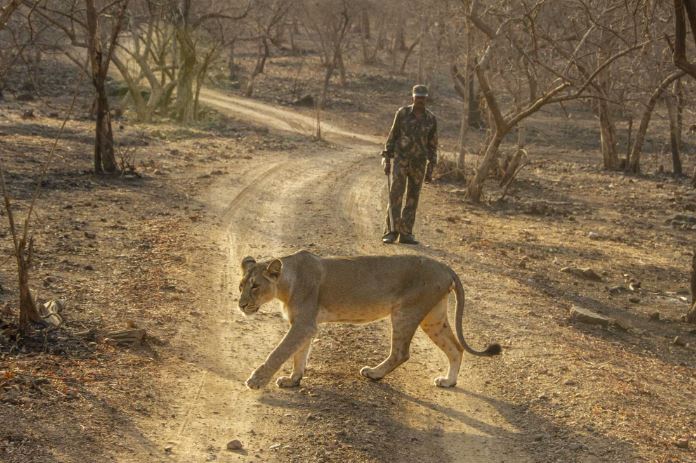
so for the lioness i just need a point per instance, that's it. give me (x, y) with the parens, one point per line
(412, 290)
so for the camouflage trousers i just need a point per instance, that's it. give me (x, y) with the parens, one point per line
(406, 177)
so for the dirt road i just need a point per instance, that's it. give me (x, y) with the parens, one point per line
(329, 201)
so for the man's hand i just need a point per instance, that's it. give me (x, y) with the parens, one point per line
(386, 162)
(429, 172)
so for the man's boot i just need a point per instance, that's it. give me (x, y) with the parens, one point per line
(390, 237)
(407, 239)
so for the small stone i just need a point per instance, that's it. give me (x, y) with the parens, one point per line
(538, 438)
(655, 316)
(593, 235)
(89, 267)
(614, 290)
(570, 382)
(682, 443)
(634, 299)
(439, 230)
(90, 235)
(586, 273)
(678, 341)
(168, 448)
(587, 316)
(523, 262)
(575, 446)
(234, 445)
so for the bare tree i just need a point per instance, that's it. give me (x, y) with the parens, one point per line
(634, 160)
(96, 27)
(329, 22)
(22, 241)
(145, 56)
(268, 17)
(100, 54)
(534, 52)
(188, 18)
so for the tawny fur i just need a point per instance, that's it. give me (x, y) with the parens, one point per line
(412, 290)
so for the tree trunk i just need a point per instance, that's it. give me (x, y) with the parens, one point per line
(341, 68)
(463, 129)
(104, 140)
(670, 102)
(200, 79)
(142, 111)
(607, 130)
(259, 68)
(400, 38)
(27, 306)
(232, 67)
(187, 75)
(421, 52)
(365, 47)
(634, 162)
(679, 95)
(104, 160)
(325, 86)
(365, 24)
(402, 69)
(474, 118)
(475, 186)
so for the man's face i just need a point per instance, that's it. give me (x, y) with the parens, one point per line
(419, 101)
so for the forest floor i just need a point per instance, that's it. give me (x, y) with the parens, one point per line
(160, 250)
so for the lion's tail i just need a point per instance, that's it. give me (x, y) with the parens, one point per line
(492, 349)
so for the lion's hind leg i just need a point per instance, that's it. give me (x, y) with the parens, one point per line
(404, 325)
(438, 329)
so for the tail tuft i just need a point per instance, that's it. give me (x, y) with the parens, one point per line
(493, 349)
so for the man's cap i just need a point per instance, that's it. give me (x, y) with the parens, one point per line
(420, 90)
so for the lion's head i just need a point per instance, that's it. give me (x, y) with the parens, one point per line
(259, 283)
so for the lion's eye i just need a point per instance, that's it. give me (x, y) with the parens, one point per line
(255, 288)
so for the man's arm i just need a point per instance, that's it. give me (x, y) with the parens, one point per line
(432, 152)
(432, 144)
(393, 136)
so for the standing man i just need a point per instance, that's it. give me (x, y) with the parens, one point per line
(412, 144)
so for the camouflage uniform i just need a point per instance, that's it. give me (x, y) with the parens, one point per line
(412, 142)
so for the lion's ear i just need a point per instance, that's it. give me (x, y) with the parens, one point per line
(273, 269)
(247, 263)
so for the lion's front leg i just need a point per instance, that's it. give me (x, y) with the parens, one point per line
(299, 362)
(298, 336)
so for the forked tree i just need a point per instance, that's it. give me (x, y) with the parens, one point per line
(328, 22)
(539, 57)
(94, 26)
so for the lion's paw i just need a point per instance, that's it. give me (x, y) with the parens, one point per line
(287, 381)
(444, 382)
(256, 381)
(370, 373)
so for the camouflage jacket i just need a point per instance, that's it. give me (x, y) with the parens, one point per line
(413, 139)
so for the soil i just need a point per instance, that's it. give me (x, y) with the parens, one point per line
(160, 250)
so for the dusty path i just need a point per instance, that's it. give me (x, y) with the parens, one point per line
(330, 202)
